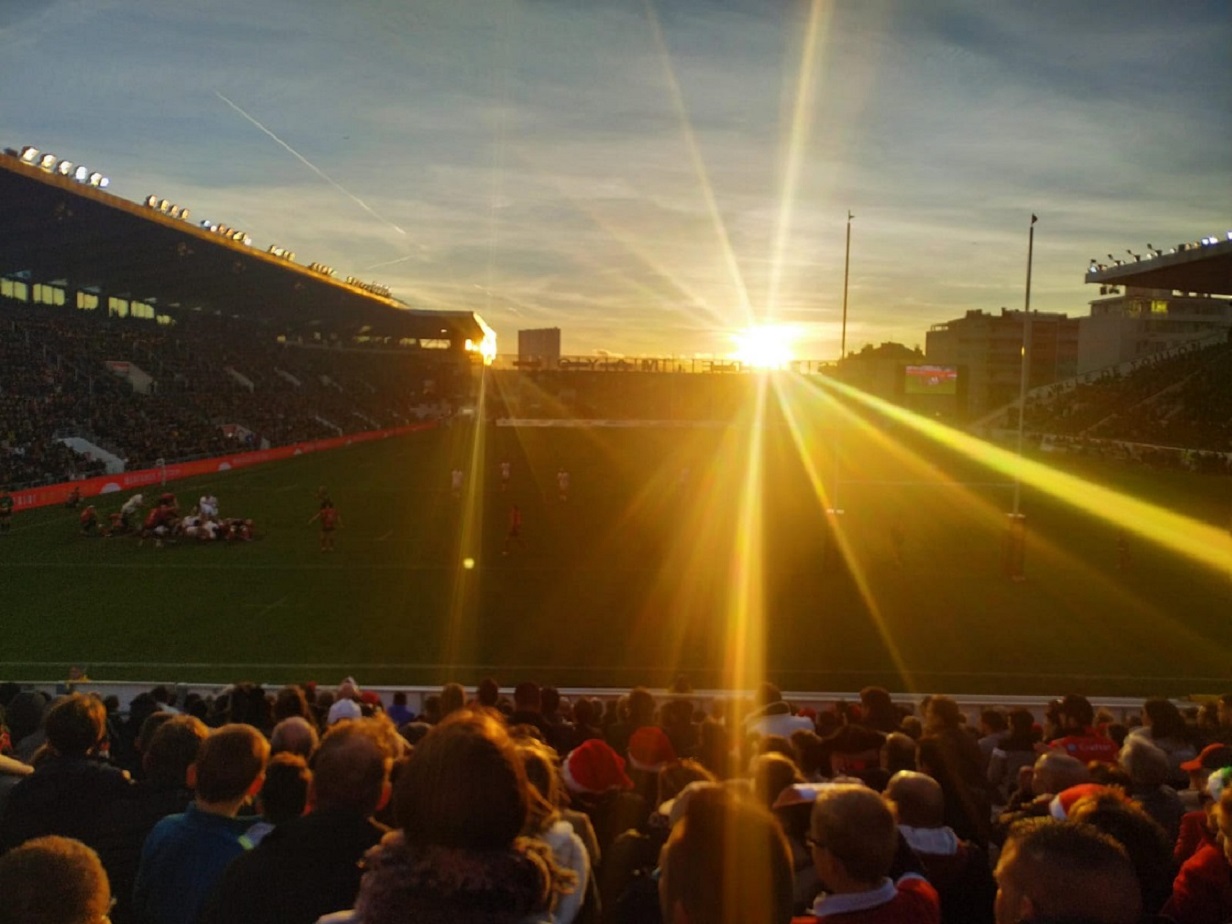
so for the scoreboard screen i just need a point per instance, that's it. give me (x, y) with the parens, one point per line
(930, 380)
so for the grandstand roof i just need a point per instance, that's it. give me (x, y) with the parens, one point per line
(56, 230)
(1195, 267)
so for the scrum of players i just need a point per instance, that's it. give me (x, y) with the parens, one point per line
(163, 522)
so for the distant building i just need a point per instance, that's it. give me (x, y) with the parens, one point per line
(1129, 326)
(539, 349)
(988, 348)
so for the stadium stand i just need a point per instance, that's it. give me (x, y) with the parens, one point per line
(1172, 412)
(215, 385)
(585, 846)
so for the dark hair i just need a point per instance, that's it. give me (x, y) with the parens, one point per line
(173, 748)
(350, 767)
(1141, 836)
(641, 705)
(52, 880)
(229, 762)
(1078, 708)
(488, 692)
(1070, 870)
(284, 794)
(76, 725)
(464, 786)
(290, 701)
(1166, 719)
(994, 719)
(723, 837)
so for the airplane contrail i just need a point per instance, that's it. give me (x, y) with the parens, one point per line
(311, 166)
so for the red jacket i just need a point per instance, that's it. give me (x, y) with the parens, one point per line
(911, 900)
(1202, 891)
(1088, 746)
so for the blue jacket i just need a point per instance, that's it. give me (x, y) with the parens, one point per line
(181, 862)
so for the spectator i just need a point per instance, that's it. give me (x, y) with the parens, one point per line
(1164, 726)
(124, 825)
(1202, 891)
(594, 775)
(346, 703)
(399, 713)
(1148, 771)
(993, 728)
(1015, 750)
(71, 785)
(283, 795)
(295, 735)
(725, 862)
(1078, 738)
(185, 855)
(1144, 841)
(774, 716)
(1061, 871)
(854, 839)
(53, 880)
(545, 823)
(878, 711)
(461, 803)
(638, 711)
(309, 866)
(528, 709)
(956, 868)
(453, 698)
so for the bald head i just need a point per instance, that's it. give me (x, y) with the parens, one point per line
(1055, 772)
(917, 799)
(294, 735)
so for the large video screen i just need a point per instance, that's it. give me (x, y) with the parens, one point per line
(930, 380)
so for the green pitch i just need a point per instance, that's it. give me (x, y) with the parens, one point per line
(673, 549)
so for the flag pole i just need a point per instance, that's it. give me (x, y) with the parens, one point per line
(1024, 378)
(842, 350)
(1016, 537)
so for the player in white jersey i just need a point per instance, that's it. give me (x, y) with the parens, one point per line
(208, 506)
(562, 484)
(455, 482)
(506, 472)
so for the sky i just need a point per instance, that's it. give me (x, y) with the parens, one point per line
(650, 177)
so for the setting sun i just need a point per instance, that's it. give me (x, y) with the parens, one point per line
(767, 346)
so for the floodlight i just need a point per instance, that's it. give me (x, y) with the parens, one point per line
(64, 168)
(151, 201)
(29, 154)
(80, 174)
(96, 179)
(184, 213)
(47, 162)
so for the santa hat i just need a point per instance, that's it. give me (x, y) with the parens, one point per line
(593, 767)
(1060, 805)
(650, 749)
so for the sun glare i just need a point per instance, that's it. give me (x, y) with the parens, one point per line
(766, 347)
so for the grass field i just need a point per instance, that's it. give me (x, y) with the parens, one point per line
(673, 551)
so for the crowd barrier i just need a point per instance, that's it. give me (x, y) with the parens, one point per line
(46, 495)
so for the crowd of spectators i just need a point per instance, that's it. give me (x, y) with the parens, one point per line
(216, 385)
(333, 805)
(1182, 401)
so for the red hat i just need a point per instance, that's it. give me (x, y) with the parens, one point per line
(1059, 807)
(594, 767)
(650, 749)
(1212, 757)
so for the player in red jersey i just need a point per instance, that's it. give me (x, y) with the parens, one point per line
(330, 520)
(89, 521)
(514, 536)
